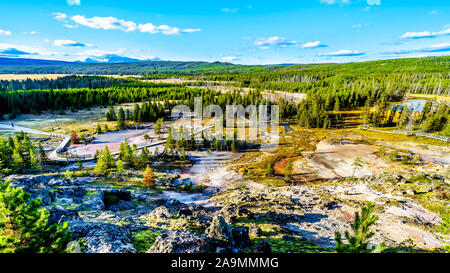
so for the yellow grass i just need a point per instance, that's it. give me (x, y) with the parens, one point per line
(20, 77)
(445, 98)
(9, 77)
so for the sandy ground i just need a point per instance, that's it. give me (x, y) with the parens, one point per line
(395, 222)
(113, 141)
(334, 160)
(207, 170)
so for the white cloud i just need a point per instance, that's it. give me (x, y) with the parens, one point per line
(165, 29)
(373, 2)
(105, 23)
(425, 34)
(357, 26)
(229, 58)
(127, 26)
(342, 53)
(70, 26)
(190, 30)
(59, 16)
(275, 41)
(366, 9)
(444, 47)
(312, 45)
(230, 10)
(149, 28)
(331, 2)
(74, 2)
(434, 12)
(5, 32)
(70, 43)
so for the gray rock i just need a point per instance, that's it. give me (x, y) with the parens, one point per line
(240, 237)
(219, 231)
(57, 182)
(160, 213)
(255, 231)
(60, 215)
(179, 242)
(103, 237)
(93, 202)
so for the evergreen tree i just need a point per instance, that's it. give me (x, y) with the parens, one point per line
(24, 227)
(34, 160)
(356, 165)
(99, 129)
(79, 164)
(121, 119)
(42, 155)
(111, 114)
(120, 167)
(144, 157)
(137, 110)
(18, 164)
(105, 162)
(358, 241)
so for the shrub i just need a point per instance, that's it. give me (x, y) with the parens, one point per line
(359, 241)
(144, 240)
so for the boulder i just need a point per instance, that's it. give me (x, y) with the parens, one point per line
(179, 242)
(59, 215)
(219, 231)
(102, 237)
(240, 237)
(159, 213)
(93, 202)
(255, 231)
(230, 211)
(117, 200)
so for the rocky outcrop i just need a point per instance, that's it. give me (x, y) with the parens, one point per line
(219, 231)
(160, 213)
(240, 237)
(254, 230)
(179, 242)
(102, 237)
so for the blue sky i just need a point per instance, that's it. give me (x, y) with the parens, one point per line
(245, 31)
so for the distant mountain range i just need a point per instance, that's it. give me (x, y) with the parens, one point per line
(119, 65)
(106, 64)
(114, 58)
(105, 59)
